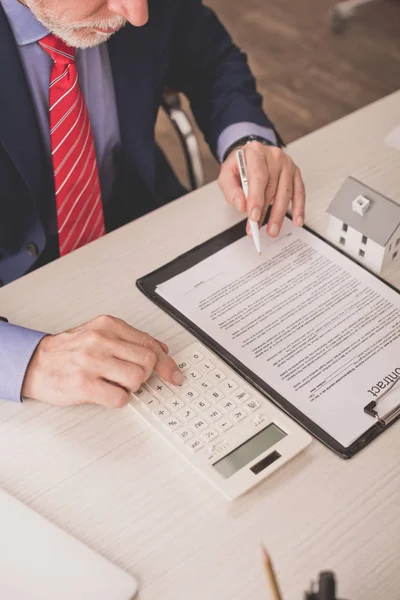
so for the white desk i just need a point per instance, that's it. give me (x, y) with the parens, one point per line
(108, 480)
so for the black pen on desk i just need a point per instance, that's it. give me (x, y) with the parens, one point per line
(255, 230)
(327, 586)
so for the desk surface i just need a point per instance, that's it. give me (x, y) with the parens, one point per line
(110, 481)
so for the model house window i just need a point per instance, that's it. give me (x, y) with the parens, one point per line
(398, 242)
(345, 227)
(395, 255)
(342, 241)
(390, 248)
(361, 253)
(364, 239)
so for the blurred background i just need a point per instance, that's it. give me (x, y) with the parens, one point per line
(311, 66)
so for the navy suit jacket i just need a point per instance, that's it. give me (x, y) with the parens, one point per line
(183, 46)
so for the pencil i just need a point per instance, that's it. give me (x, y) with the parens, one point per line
(269, 570)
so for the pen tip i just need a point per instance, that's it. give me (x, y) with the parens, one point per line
(259, 254)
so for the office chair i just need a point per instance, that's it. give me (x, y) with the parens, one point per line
(341, 11)
(172, 105)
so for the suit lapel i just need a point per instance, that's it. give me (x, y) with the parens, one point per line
(19, 129)
(130, 56)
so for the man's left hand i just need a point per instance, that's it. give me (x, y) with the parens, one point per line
(273, 178)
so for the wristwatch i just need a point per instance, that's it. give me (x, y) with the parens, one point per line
(4, 319)
(245, 140)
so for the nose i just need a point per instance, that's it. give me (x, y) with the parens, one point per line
(134, 11)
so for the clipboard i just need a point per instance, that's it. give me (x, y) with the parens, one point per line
(148, 284)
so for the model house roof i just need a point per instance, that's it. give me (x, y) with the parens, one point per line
(380, 220)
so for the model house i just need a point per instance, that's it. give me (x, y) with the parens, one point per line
(365, 224)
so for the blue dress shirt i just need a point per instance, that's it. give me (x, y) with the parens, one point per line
(17, 344)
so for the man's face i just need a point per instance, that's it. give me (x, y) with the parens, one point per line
(86, 23)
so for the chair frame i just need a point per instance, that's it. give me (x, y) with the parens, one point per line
(172, 105)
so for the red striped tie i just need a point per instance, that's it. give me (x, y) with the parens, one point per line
(79, 205)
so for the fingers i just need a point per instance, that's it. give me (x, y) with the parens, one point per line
(274, 159)
(163, 346)
(299, 199)
(132, 354)
(162, 363)
(108, 394)
(283, 197)
(230, 185)
(273, 179)
(289, 189)
(101, 362)
(257, 174)
(123, 374)
(118, 377)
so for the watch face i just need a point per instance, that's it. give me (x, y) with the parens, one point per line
(257, 138)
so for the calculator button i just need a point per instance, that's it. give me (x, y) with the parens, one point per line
(221, 447)
(192, 375)
(252, 405)
(229, 386)
(176, 403)
(184, 434)
(209, 435)
(214, 395)
(141, 393)
(201, 404)
(150, 401)
(160, 412)
(206, 366)
(238, 415)
(196, 357)
(227, 405)
(203, 385)
(195, 445)
(172, 423)
(241, 396)
(199, 425)
(213, 415)
(159, 388)
(189, 394)
(217, 376)
(187, 414)
(224, 425)
(258, 419)
(183, 364)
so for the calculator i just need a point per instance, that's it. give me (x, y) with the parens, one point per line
(221, 425)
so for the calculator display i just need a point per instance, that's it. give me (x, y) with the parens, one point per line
(249, 450)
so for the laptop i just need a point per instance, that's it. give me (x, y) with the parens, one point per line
(39, 561)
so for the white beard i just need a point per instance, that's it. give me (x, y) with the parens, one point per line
(78, 35)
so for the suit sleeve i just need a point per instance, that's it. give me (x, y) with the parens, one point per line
(17, 346)
(214, 74)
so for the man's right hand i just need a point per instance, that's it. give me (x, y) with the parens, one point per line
(100, 362)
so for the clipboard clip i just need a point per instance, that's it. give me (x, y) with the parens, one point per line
(391, 415)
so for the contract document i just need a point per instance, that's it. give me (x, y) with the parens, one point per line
(320, 330)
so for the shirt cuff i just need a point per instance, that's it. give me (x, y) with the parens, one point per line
(17, 346)
(239, 130)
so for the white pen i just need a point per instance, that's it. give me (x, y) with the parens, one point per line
(255, 230)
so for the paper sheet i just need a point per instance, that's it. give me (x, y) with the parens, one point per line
(317, 328)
